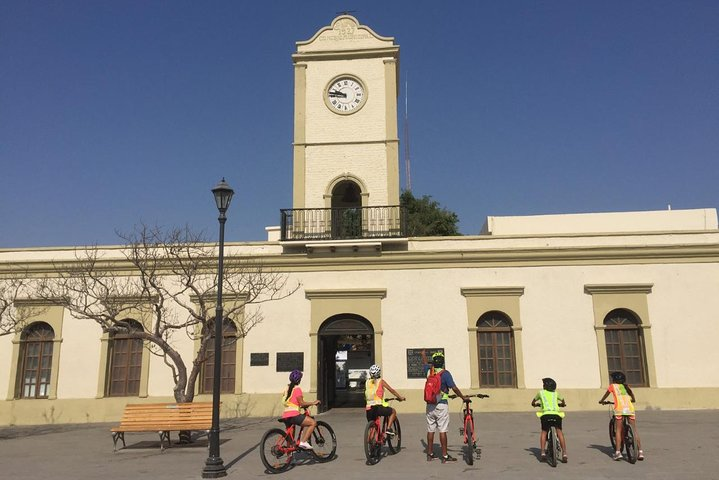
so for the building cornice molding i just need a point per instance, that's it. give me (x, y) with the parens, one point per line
(618, 288)
(413, 259)
(492, 291)
(391, 52)
(345, 294)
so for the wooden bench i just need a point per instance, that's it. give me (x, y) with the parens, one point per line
(163, 418)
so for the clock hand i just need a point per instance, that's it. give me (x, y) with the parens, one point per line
(336, 93)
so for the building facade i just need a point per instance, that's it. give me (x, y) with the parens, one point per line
(568, 296)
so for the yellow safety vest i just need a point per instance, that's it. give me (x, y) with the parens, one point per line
(622, 400)
(374, 393)
(550, 404)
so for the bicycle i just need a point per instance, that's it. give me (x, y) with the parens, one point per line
(554, 447)
(279, 446)
(468, 432)
(375, 435)
(628, 443)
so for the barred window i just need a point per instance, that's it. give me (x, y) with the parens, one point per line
(495, 343)
(36, 344)
(625, 346)
(229, 354)
(125, 364)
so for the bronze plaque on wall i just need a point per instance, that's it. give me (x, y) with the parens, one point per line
(415, 367)
(288, 361)
(259, 359)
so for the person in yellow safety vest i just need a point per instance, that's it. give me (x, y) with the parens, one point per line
(293, 401)
(549, 401)
(374, 396)
(623, 406)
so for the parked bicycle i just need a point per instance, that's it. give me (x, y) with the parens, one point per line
(376, 435)
(628, 443)
(278, 446)
(468, 430)
(554, 447)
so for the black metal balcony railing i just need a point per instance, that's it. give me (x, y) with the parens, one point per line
(343, 223)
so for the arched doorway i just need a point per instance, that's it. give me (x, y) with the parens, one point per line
(345, 353)
(346, 210)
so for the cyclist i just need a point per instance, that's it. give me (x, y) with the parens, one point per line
(438, 413)
(293, 401)
(374, 395)
(623, 406)
(550, 415)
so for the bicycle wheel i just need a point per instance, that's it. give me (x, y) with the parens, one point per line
(629, 444)
(394, 442)
(324, 442)
(552, 447)
(276, 450)
(612, 433)
(469, 447)
(372, 448)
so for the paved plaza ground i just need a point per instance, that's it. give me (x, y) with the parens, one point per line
(677, 444)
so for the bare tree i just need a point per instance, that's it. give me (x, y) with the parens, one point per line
(13, 315)
(169, 277)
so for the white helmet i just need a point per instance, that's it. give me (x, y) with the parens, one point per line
(375, 371)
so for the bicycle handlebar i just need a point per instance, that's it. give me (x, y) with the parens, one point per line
(477, 395)
(606, 402)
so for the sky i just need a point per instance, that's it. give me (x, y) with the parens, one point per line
(114, 113)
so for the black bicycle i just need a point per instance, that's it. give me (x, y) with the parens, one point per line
(375, 435)
(629, 445)
(554, 446)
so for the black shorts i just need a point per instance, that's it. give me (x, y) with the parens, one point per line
(378, 411)
(296, 420)
(549, 421)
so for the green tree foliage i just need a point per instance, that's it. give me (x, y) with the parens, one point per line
(426, 217)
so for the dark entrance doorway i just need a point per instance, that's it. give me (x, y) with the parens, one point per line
(345, 353)
(346, 210)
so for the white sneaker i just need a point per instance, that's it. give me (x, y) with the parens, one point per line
(305, 446)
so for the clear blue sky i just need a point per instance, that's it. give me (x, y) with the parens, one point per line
(116, 112)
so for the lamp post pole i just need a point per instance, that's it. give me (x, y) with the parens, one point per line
(214, 466)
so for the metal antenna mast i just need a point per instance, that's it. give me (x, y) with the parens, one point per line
(408, 176)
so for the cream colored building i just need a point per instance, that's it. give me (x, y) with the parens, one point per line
(566, 296)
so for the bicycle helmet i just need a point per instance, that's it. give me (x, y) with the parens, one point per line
(618, 377)
(549, 384)
(438, 359)
(295, 376)
(375, 371)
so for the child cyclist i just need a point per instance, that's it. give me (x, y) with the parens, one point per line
(550, 415)
(374, 395)
(293, 401)
(623, 406)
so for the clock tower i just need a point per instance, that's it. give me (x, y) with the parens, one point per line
(345, 122)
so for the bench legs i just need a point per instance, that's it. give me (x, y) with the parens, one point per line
(115, 437)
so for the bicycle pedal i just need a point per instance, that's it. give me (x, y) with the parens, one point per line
(461, 431)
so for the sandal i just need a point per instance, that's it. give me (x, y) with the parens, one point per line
(543, 457)
(564, 459)
(430, 457)
(640, 457)
(448, 458)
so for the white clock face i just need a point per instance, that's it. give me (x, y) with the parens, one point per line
(345, 95)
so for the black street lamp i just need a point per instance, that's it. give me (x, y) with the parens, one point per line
(214, 467)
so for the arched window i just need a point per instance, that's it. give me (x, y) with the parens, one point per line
(125, 366)
(229, 354)
(36, 343)
(495, 344)
(625, 346)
